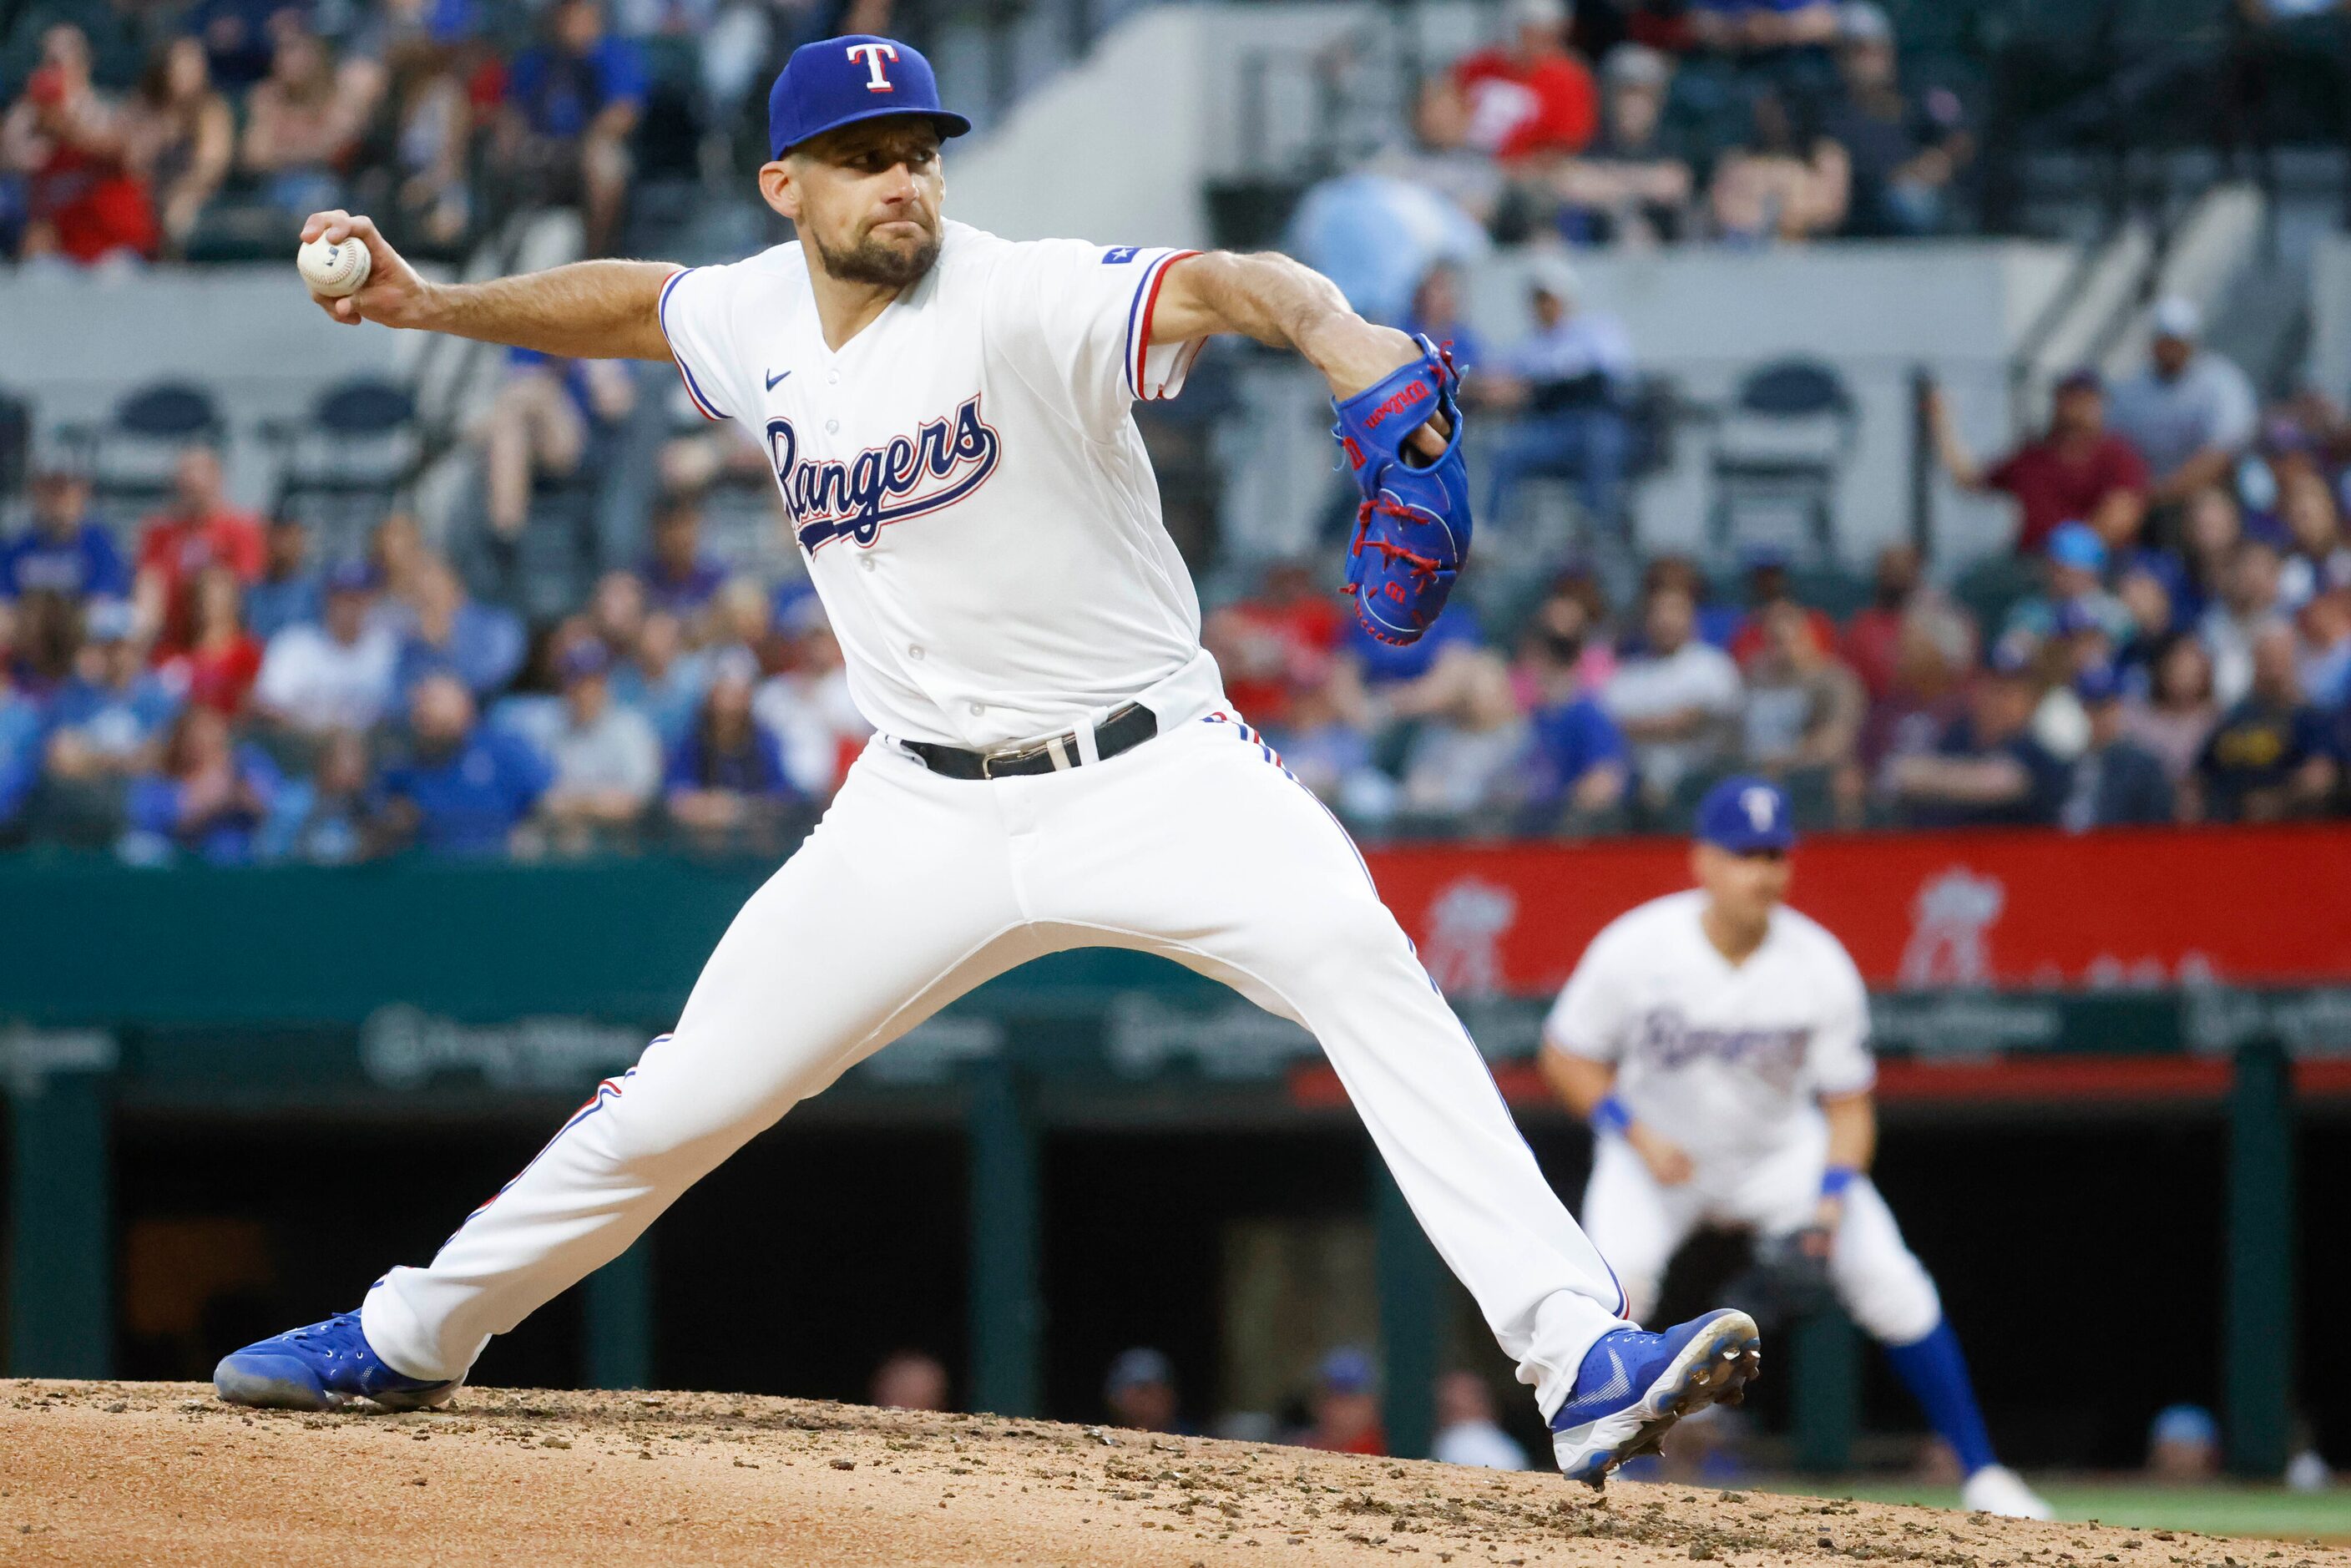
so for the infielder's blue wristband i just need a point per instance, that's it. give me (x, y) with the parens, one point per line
(1836, 1178)
(1610, 1116)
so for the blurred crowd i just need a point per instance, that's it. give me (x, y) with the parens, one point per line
(1340, 1410)
(143, 130)
(2170, 641)
(216, 692)
(1645, 123)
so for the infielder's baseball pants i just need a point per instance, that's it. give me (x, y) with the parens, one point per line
(1638, 1224)
(914, 889)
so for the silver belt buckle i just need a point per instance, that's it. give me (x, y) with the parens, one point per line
(1060, 747)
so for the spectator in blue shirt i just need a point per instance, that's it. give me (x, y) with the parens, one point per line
(663, 678)
(1577, 767)
(290, 592)
(679, 576)
(2115, 781)
(1567, 387)
(67, 550)
(464, 787)
(481, 644)
(2073, 561)
(1987, 769)
(1436, 315)
(726, 783)
(571, 105)
(106, 721)
(2272, 754)
(209, 796)
(332, 820)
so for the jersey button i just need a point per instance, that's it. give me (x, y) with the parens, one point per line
(866, 561)
(834, 377)
(977, 709)
(915, 652)
(832, 427)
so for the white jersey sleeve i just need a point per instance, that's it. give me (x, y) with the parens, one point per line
(697, 308)
(1840, 1060)
(1073, 320)
(1594, 1015)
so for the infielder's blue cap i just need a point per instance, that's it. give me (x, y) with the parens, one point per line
(1347, 1370)
(835, 82)
(1746, 815)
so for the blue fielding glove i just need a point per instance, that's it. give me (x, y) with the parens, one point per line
(1412, 528)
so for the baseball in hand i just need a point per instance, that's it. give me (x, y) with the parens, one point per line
(333, 268)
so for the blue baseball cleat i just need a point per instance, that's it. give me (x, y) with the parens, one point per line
(1634, 1385)
(322, 1367)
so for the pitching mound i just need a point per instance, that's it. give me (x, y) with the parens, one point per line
(162, 1473)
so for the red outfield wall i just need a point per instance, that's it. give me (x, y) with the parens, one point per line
(2249, 905)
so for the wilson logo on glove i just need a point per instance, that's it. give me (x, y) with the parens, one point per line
(1417, 393)
(1411, 527)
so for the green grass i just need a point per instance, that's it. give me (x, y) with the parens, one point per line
(2216, 1509)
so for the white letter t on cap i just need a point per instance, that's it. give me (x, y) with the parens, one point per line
(874, 55)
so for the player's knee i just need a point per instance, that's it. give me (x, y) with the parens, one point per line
(1895, 1305)
(1339, 941)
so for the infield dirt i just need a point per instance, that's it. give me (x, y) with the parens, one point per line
(162, 1473)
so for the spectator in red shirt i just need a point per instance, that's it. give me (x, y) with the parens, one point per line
(1872, 638)
(1766, 585)
(217, 669)
(81, 200)
(2077, 468)
(1346, 1407)
(1273, 643)
(200, 528)
(1532, 97)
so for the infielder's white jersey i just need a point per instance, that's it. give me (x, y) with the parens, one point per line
(964, 476)
(1728, 1061)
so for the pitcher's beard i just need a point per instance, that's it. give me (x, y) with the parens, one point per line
(871, 261)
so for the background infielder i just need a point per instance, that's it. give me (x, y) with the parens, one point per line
(948, 418)
(1717, 1043)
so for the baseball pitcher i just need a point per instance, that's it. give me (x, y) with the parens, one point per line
(1717, 1042)
(948, 418)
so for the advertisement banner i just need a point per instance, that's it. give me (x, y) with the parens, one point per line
(2246, 906)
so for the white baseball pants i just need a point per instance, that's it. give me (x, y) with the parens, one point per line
(915, 888)
(1638, 1224)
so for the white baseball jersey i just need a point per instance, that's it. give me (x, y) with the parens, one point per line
(1728, 1061)
(979, 513)
(964, 476)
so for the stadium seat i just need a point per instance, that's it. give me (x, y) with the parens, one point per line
(350, 459)
(1779, 449)
(129, 458)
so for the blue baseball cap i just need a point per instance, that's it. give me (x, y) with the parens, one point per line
(1347, 1370)
(1746, 815)
(2185, 1424)
(2076, 545)
(1137, 1368)
(838, 81)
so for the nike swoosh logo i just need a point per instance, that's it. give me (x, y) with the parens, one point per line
(773, 378)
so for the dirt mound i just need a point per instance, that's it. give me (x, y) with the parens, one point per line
(162, 1473)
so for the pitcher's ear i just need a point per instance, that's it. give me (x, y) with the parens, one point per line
(779, 189)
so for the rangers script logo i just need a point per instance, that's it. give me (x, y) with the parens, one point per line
(944, 460)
